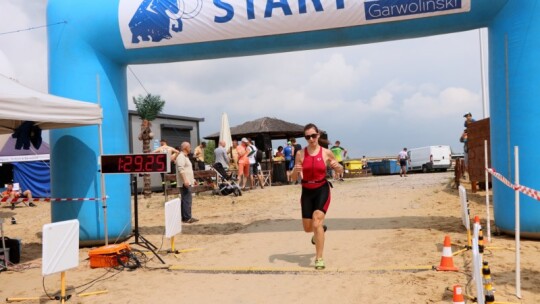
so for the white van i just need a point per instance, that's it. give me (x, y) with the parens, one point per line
(427, 159)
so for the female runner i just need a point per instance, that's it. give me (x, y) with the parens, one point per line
(315, 199)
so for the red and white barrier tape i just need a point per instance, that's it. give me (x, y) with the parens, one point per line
(51, 199)
(73, 199)
(500, 177)
(523, 189)
(528, 191)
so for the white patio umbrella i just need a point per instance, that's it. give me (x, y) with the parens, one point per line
(225, 131)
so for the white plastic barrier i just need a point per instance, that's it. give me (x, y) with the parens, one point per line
(465, 218)
(477, 265)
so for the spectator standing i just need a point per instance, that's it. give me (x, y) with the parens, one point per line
(339, 153)
(243, 162)
(220, 154)
(464, 139)
(296, 148)
(172, 154)
(403, 158)
(185, 180)
(199, 155)
(288, 153)
(254, 166)
(364, 162)
(468, 119)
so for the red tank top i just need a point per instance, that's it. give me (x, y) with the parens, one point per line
(313, 170)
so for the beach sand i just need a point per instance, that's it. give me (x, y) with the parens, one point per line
(385, 233)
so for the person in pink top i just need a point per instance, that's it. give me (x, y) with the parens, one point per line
(315, 199)
(243, 162)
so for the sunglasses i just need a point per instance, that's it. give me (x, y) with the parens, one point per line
(312, 136)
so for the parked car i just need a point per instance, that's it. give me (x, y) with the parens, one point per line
(430, 158)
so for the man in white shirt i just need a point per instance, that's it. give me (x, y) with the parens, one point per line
(184, 180)
(402, 159)
(254, 166)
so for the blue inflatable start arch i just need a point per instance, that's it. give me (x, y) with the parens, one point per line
(101, 37)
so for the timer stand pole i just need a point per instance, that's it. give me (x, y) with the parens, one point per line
(144, 243)
(101, 175)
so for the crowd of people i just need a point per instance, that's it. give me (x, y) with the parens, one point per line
(242, 159)
(289, 153)
(247, 159)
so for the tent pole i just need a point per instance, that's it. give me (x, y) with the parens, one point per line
(101, 175)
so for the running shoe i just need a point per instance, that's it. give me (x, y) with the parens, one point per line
(313, 237)
(319, 264)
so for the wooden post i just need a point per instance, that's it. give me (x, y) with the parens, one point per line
(63, 287)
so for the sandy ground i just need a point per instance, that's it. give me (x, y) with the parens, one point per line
(384, 231)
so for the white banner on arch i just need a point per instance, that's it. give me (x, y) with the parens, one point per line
(150, 23)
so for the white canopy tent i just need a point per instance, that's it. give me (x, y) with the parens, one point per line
(19, 103)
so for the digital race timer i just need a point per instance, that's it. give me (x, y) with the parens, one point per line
(135, 163)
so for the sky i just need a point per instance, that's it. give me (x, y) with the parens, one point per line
(374, 98)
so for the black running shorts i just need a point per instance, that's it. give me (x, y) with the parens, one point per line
(315, 199)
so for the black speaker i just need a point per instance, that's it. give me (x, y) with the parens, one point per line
(15, 247)
(264, 143)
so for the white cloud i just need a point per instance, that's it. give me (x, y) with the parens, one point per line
(448, 102)
(336, 77)
(334, 73)
(383, 100)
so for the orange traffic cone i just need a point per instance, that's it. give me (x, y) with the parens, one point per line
(447, 259)
(458, 295)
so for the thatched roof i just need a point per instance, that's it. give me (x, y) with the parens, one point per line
(276, 128)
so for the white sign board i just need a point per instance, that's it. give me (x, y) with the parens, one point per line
(60, 247)
(465, 217)
(173, 218)
(477, 265)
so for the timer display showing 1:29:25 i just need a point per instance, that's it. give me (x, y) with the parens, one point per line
(135, 163)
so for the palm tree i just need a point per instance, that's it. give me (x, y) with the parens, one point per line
(148, 108)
